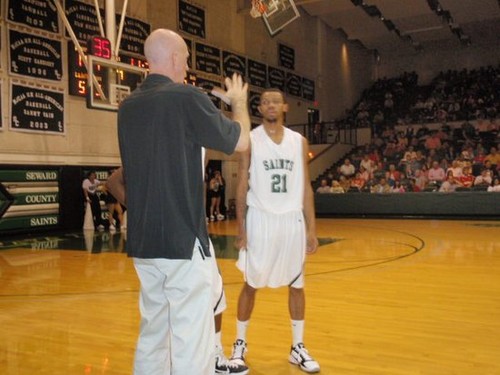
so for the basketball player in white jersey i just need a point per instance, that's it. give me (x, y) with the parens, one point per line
(276, 222)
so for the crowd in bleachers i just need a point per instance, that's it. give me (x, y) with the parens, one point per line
(460, 95)
(412, 158)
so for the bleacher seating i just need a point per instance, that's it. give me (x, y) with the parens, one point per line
(466, 104)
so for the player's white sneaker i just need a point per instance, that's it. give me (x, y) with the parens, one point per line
(112, 227)
(225, 366)
(300, 356)
(212, 218)
(220, 217)
(239, 352)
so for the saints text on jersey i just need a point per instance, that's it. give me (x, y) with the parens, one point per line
(278, 164)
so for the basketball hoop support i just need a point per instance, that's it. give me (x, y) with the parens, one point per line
(110, 31)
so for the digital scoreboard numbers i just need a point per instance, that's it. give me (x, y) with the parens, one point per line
(77, 73)
(133, 61)
(128, 78)
(101, 48)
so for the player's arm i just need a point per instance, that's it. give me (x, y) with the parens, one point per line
(116, 185)
(309, 214)
(241, 198)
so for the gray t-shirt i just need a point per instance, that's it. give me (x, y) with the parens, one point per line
(162, 127)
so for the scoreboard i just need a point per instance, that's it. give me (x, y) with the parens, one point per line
(99, 47)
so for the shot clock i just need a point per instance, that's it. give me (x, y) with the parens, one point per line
(99, 46)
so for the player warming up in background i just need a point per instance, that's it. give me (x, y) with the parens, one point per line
(276, 222)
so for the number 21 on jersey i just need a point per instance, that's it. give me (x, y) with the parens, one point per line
(278, 183)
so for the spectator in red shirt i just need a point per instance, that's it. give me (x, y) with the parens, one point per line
(432, 142)
(466, 179)
(479, 158)
(358, 182)
(375, 156)
(413, 187)
(420, 179)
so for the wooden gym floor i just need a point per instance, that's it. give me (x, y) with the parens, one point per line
(383, 297)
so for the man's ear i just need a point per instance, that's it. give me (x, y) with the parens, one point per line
(285, 107)
(175, 59)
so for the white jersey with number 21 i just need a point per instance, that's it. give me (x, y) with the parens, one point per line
(276, 182)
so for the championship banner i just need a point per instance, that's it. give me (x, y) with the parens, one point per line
(83, 19)
(308, 89)
(294, 85)
(257, 73)
(286, 57)
(253, 103)
(207, 59)
(134, 35)
(208, 85)
(276, 78)
(36, 110)
(40, 14)
(233, 63)
(35, 56)
(191, 19)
